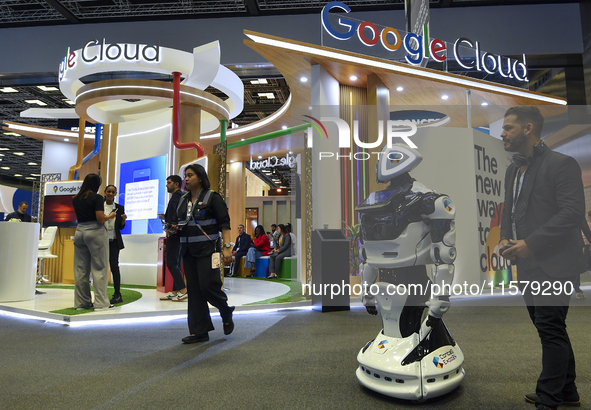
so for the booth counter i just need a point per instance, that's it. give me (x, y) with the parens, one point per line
(19, 243)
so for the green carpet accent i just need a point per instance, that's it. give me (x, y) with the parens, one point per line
(110, 286)
(128, 296)
(293, 295)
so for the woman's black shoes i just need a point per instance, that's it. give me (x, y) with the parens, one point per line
(229, 326)
(116, 299)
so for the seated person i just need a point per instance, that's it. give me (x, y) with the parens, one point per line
(293, 239)
(261, 247)
(283, 250)
(20, 213)
(243, 242)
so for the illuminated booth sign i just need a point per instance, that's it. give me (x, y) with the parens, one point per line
(273, 162)
(466, 53)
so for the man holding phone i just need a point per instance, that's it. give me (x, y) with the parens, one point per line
(173, 243)
(540, 233)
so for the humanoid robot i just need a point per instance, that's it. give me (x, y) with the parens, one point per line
(403, 228)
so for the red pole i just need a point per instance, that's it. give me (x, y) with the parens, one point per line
(176, 119)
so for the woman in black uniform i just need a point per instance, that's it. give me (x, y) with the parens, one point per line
(202, 214)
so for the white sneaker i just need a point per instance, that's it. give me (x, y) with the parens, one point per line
(181, 297)
(170, 296)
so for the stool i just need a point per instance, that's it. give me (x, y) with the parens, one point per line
(288, 268)
(262, 267)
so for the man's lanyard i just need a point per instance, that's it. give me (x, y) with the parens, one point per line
(517, 185)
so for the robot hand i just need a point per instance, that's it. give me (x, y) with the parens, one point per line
(372, 310)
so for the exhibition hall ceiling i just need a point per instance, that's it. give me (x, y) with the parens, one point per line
(42, 12)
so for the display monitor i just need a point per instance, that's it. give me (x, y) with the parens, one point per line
(142, 192)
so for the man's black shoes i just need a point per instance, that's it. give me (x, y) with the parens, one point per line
(195, 339)
(229, 325)
(532, 398)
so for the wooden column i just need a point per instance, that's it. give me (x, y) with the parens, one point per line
(237, 200)
(108, 155)
(190, 131)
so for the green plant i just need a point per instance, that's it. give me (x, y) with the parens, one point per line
(353, 233)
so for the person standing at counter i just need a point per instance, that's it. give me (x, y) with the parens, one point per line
(203, 214)
(20, 213)
(114, 227)
(91, 246)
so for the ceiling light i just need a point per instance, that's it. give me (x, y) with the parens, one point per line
(399, 88)
(484, 103)
(5, 167)
(270, 96)
(32, 163)
(291, 152)
(254, 81)
(444, 97)
(4, 149)
(46, 88)
(304, 79)
(35, 175)
(353, 78)
(20, 154)
(242, 139)
(69, 102)
(13, 134)
(38, 102)
(66, 139)
(8, 90)
(284, 127)
(29, 178)
(231, 161)
(262, 81)
(17, 175)
(260, 157)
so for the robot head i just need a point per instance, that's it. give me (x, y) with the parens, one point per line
(395, 161)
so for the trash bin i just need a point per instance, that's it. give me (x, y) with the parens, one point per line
(330, 266)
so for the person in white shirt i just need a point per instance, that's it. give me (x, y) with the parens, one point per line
(114, 227)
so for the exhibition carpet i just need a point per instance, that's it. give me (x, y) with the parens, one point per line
(287, 359)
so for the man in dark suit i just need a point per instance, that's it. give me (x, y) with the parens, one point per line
(20, 213)
(241, 247)
(544, 206)
(173, 242)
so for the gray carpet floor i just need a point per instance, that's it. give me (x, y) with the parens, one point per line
(289, 359)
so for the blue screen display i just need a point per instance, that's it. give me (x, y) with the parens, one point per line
(149, 169)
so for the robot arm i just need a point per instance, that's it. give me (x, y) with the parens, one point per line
(369, 276)
(443, 252)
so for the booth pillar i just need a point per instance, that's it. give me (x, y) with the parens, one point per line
(326, 188)
(378, 100)
(237, 189)
(190, 131)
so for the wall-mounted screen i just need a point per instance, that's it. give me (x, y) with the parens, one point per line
(143, 193)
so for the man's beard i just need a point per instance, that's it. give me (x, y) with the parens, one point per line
(516, 143)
